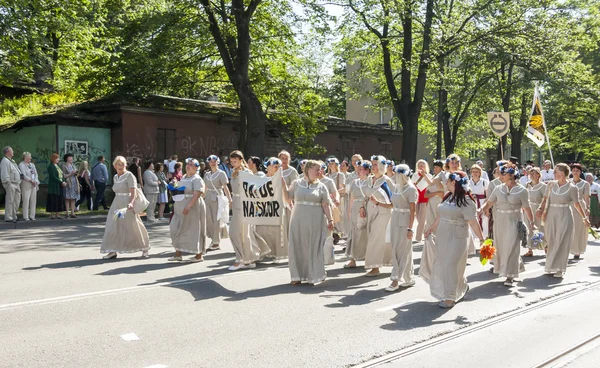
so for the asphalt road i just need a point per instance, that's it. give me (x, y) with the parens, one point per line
(62, 306)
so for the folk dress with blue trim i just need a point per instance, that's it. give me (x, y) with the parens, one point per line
(214, 188)
(536, 196)
(188, 232)
(508, 204)
(127, 234)
(447, 281)
(559, 225)
(379, 252)
(308, 231)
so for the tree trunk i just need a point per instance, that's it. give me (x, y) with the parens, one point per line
(517, 133)
(255, 120)
(243, 129)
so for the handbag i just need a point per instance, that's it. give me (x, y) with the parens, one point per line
(140, 202)
(328, 251)
(337, 215)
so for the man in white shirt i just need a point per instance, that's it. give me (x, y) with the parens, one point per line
(10, 176)
(484, 174)
(547, 172)
(172, 163)
(525, 176)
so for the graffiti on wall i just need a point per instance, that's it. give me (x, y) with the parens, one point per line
(210, 145)
(40, 157)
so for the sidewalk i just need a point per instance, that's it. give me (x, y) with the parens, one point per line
(80, 220)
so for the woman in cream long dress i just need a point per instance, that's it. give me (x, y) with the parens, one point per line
(378, 190)
(247, 252)
(127, 234)
(478, 187)
(356, 245)
(345, 199)
(435, 193)
(509, 199)
(216, 186)
(30, 184)
(404, 201)
(270, 236)
(557, 216)
(536, 190)
(457, 212)
(188, 224)
(421, 179)
(580, 231)
(309, 225)
(289, 175)
(339, 181)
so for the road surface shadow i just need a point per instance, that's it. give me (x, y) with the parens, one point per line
(420, 315)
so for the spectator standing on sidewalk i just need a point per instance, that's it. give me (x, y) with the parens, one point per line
(151, 184)
(162, 190)
(29, 187)
(11, 180)
(136, 170)
(99, 178)
(86, 186)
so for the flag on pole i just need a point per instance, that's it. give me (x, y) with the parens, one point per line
(536, 130)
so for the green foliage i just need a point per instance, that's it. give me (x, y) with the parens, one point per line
(11, 110)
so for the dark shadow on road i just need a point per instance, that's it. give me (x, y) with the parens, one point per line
(421, 315)
(96, 262)
(595, 270)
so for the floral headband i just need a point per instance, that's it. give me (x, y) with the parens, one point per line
(374, 158)
(453, 158)
(192, 161)
(389, 163)
(507, 170)
(365, 164)
(464, 181)
(303, 162)
(438, 163)
(273, 161)
(333, 160)
(214, 158)
(400, 170)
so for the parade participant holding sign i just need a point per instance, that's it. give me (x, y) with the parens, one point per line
(270, 236)
(457, 212)
(404, 199)
(509, 199)
(246, 252)
(356, 245)
(124, 231)
(378, 191)
(580, 231)
(311, 219)
(188, 224)
(289, 175)
(557, 216)
(218, 200)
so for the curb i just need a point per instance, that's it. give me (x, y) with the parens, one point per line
(84, 220)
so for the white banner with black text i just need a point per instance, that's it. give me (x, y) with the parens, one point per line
(262, 199)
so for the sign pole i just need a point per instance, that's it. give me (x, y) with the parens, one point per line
(501, 147)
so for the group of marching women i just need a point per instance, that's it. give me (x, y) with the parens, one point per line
(375, 207)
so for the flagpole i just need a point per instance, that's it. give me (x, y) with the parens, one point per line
(545, 129)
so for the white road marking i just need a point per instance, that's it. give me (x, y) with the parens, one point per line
(67, 298)
(394, 306)
(157, 366)
(130, 337)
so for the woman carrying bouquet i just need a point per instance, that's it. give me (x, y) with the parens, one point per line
(378, 191)
(580, 231)
(556, 213)
(404, 202)
(124, 231)
(356, 245)
(509, 198)
(188, 224)
(217, 194)
(456, 213)
(536, 190)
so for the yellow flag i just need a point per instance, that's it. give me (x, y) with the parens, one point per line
(536, 130)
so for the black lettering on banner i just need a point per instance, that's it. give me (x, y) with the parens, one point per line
(261, 209)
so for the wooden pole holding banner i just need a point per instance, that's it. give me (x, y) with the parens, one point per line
(545, 129)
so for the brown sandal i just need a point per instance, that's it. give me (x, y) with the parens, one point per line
(528, 254)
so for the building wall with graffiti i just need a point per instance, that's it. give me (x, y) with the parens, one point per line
(85, 143)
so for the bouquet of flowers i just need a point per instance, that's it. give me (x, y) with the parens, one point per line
(593, 233)
(487, 251)
(119, 214)
(537, 240)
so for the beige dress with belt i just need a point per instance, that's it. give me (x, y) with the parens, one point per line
(536, 196)
(379, 252)
(128, 234)
(308, 231)
(448, 280)
(559, 225)
(289, 175)
(508, 204)
(402, 257)
(580, 231)
(338, 179)
(429, 250)
(188, 232)
(246, 250)
(356, 244)
(214, 188)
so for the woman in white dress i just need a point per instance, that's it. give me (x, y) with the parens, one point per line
(435, 193)
(536, 189)
(188, 224)
(457, 212)
(289, 175)
(29, 187)
(421, 179)
(310, 222)
(498, 180)
(379, 191)
(479, 187)
(255, 165)
(356, 245)
(218, 200)
(557, 216)
(151, 190)
(580, 231)
(511, 200)
(126, 234)
(404, 201)
(247, 252)
(339, 179)
(269, 236)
